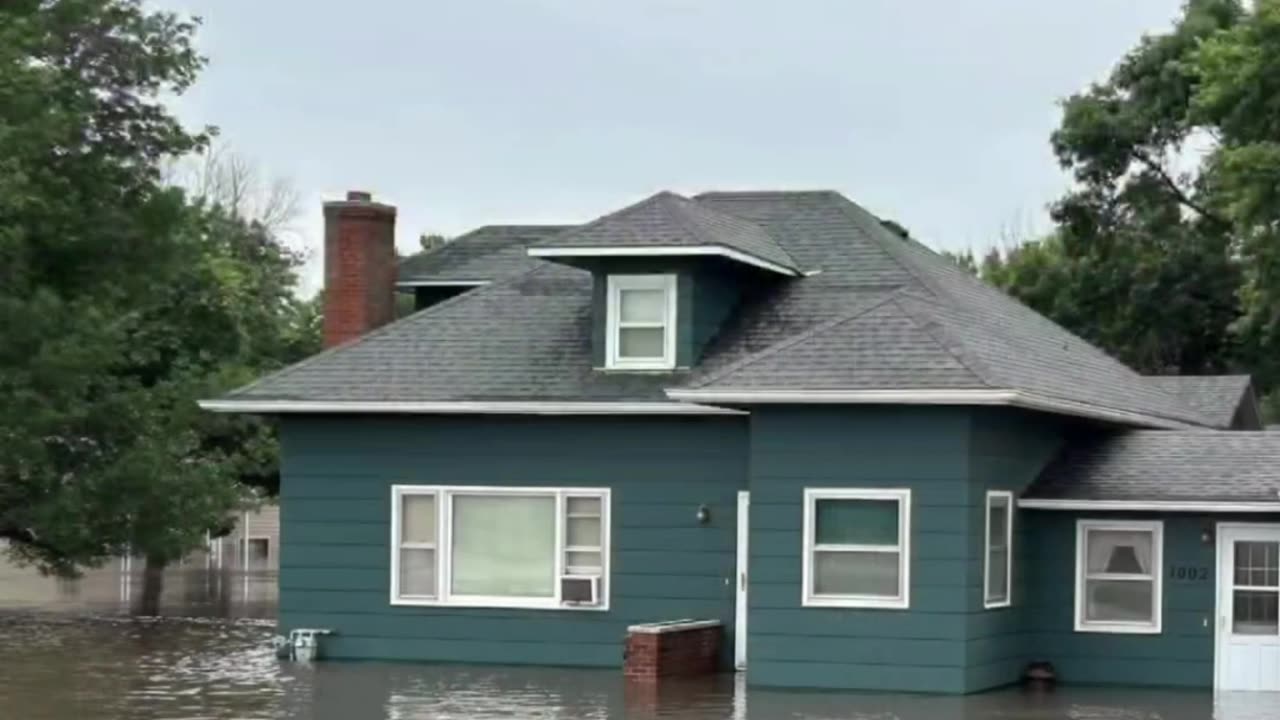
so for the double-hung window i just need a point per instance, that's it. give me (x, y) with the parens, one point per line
(998, 557)
(500, 547)
(641, 322)
(1118, 571)
(857, 548)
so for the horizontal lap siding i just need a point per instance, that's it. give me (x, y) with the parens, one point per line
(919, 649)
(335, 511)
(1181, 655)
(1009, 448)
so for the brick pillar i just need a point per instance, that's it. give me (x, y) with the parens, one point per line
(359, 267)
(681, 648)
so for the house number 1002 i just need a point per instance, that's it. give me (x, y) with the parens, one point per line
(1184, 572)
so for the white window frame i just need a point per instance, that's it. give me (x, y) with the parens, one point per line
(988, 602)
(1156, 528)
(614, 324)
(811, 497)
(444, 495)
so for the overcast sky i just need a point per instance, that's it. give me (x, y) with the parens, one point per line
(932, 112)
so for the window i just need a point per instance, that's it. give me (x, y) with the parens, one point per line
(998, 566)
(500, 547)
(1118, 569)
(259, 552)
(641, 319)
(857, 548)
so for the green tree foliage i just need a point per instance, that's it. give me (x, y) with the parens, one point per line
(1167, 250)
(121, 300)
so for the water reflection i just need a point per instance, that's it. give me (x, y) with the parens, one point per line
(122, 588)
(79, 655)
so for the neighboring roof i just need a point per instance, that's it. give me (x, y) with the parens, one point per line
(875, 313)
(1166, 466)
(482, 255)
(668, 223)
(1216, 397)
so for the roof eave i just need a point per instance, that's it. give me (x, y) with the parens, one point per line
(398, 407)
(552, 253)
(963, 396)
(440, 283)
(1218, 506)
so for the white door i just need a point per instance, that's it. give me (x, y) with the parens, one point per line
(740, 611)
(1248, 607)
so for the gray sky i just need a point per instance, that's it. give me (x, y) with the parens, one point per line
(934, 113)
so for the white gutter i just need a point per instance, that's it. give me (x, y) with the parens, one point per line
(662, 251)
(466, 407)
(1008, 398)
(441, 283)
(1241, 506)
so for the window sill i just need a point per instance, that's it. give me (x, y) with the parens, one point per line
(497, 603)
(1118, 628)
(867, 603)
(996, 604)
(652, 369)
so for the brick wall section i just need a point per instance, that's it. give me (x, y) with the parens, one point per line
(359, 267)
(671, 653)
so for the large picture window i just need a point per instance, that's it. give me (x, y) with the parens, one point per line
(1118, 571)
(857, 548)
(500, 547)
(641, 319)
(998, 557)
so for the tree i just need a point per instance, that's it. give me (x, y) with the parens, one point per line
(1160, 259)
(122, 300)
(1148, 263)
(1237, 100)
(430, 242)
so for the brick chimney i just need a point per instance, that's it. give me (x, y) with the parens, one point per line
(359, 267)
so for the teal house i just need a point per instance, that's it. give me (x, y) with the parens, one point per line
(772, 410)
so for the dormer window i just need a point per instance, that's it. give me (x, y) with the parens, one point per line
(641, 322)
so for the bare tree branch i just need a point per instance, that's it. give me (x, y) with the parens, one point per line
(1173, 186)
(232, 181)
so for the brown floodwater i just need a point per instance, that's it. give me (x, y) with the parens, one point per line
(77, 651)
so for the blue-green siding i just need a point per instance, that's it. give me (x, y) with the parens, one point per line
(949, 457)
(335, 507)
(1181, 655)
(1008, 449)
(335, 558)
(707, 292)
(918, 649)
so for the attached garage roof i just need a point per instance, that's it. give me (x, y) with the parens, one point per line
(1155, 467)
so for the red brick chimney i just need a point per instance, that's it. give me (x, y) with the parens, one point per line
(359, 267)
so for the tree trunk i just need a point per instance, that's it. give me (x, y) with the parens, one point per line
(152, 586)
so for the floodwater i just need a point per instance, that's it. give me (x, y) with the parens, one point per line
(78, 651)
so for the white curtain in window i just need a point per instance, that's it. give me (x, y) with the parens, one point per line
(504, 545)
(1119, 552)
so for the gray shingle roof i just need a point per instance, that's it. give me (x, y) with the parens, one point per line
(1166, 465)
(484, 254)
(1002, 343)
(1216, 397)
(669, 220)
(881, 313)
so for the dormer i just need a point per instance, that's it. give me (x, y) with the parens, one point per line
(667, 273)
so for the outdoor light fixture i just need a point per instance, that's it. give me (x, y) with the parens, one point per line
(1206, 536)
(704, 515)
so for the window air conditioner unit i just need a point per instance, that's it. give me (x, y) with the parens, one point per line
(580, 590)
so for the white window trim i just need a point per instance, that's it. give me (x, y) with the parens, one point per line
(903, 496)
(444, 495)
(1156, 528)
(613, 323)
(987, 602)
